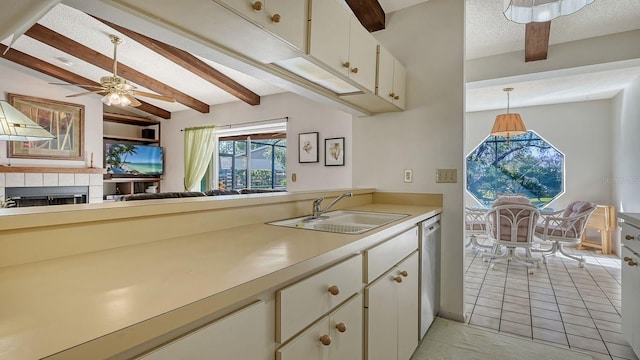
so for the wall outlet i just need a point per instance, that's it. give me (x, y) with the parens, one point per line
(447, 175)
(408, 175)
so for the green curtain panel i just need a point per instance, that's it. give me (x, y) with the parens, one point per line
(198, 149)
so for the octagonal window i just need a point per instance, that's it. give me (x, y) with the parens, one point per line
(525, 165)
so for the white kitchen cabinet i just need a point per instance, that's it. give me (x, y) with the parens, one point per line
(287, 19)
(630, 295)
(337, 336)
(391, 78)
(239, 336)
(391, 313)
(300, 304)
(338, 40)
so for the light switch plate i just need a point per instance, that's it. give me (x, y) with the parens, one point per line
(447, 175)
(408, 175)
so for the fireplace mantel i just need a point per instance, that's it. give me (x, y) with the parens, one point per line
(24, 169)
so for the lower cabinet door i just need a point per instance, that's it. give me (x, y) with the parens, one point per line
(345, 329)
(381, 317)
(308, 345)
(408, 310)
(630, 296)
(239, 336)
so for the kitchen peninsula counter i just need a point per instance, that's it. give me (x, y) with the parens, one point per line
(107, 301)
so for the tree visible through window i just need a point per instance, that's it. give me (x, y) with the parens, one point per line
(526, 165)
(263, 167)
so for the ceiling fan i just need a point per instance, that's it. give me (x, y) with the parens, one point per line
(117, 90)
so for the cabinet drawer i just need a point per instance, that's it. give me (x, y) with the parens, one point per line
(382, 257)
(630, 237)
(300, 304)
(241, 335)
(342, 332)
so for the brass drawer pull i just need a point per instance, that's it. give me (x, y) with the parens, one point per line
(341, 327)
(397, 279)
(334, 290)
(275, 18)
(325, 340)
(257, 6)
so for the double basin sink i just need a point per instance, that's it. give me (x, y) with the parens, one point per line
(341, 221)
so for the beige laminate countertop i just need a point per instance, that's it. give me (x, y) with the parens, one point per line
(53, 305)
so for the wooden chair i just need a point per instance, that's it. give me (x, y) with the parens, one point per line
(603, 220)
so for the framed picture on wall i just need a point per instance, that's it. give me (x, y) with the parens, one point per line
(334, 152)
(308, 147)
(64, 120)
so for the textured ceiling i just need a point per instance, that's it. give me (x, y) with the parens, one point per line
(488, 32)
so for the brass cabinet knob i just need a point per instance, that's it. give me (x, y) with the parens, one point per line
(275, 18)
(396, 97)
(392, 94)
(257, 6)
(628, 237)
(632, 263)
(626, 258)
(404, 273)
(397, 279)
(334, 290)
(341, 327)
(354, 70)
(346, 64)
(325, 340)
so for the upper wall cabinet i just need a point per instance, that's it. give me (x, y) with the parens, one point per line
(391, 78)
(284, 18)
(217, 24)
(340, 42)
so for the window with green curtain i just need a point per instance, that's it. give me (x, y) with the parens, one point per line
(199, 143)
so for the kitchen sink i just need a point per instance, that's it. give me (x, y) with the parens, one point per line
(341, 221)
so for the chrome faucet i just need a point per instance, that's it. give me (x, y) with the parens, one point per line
(317, 212)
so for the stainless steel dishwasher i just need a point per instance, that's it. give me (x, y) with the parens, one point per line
(429, 272)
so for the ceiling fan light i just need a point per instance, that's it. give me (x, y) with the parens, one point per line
(124, 101)
(528, 11)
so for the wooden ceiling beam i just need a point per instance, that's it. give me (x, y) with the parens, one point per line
(71, 47)
(190, 63)
(536, 43)
(369, 13)
(67, 76)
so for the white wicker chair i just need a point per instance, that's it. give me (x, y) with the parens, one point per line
(564, 227)
(475, 225)
(512, 226)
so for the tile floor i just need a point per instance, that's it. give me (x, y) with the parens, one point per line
(560, 303)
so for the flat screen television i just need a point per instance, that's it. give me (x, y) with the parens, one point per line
(125, 160)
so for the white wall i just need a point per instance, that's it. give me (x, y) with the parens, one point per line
(304, 116)
(580, 130)
(626, 166)
(429, 40)
(17, 79)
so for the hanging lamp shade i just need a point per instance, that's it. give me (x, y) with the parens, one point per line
(16, 126)
(508, 124)
(528, 11)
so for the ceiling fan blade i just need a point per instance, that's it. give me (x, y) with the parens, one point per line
(88, 92)
(154, 96)
(134, 101)
(80, 85)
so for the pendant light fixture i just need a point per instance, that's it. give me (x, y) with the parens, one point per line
(508, 124)
(528, 11)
